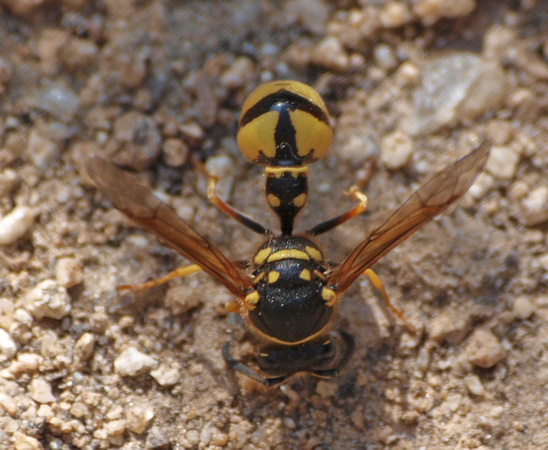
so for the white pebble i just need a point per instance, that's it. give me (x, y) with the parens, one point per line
(59, 100)
(502, 162)
(430, 11)
(68, 272)
(396, 150)
(456, 86)
(474, 384)
(239, 73)
(329, 53)
(43, 151)
(47, 299)
(523, 308)
(166, 376)
(485, 349)
(536, 206)
(8, 348)
(40, 391)
(83, 348)
(138, 418)
(16, 224)
(131, 362)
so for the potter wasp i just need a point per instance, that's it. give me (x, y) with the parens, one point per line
(288, 292)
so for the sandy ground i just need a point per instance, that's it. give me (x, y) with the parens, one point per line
(146, 83)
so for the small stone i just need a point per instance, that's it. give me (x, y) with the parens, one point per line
(40, 391)
(25, 363)
(523, 308)
(8, 403)
(536, 207)
(456, 86)
(430, 11)
(311, 14)
(238, 74)
(8, 180)
(450, 325)
(7, 310)
(166, 376)
(22, 441)
(59, 100)
(47, 299)
(502, 162)
(474, 385)
(8, 347)
(330, 54)
(16, 224)
(68, 272)
(396, 150)
(115, 427)
(182, 299)
(79, 409)
(138, 138)
(499, 132)
(83, 349)
(394, 15)
(385, 57)
(175, 152)
(326, 389)
(131, 362)
(138, 418)
(485, 349)
(542, 259)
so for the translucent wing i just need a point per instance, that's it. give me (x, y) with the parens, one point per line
(141, 206)
(431, 199)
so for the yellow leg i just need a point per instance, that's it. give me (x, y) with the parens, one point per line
(179, 272)
(378, 284)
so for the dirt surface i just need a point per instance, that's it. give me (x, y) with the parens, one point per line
(146, 84)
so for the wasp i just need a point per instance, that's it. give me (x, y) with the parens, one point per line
(288, 293)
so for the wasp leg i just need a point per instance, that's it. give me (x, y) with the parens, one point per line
(378, 284)
(349, 351)
(355, 193)
(248, 371)
(225, 207)
(179, 272)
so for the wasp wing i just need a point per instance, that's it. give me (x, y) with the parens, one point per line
(141, 206)
(431, 199)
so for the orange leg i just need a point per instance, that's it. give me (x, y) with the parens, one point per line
(179, 272)
(355, 193)
(378, 284)
(225, 207)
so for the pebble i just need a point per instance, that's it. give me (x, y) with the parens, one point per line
(25, 363)
(182, 299)
(485, 349)
(115, 427)
(326, 389)
(40, 391)
(43, 152)
(59, 100)
(68, 272)
(394, 15)
(456, 86)
(138, 418)
(83, 348)
(175, 152)
(8, 181)
(396, 150)
(536, 207)
(523, 308)
(165, 375)
(385, 57)
(239, 74)
(502, 162)
(430, 11)
(450, 325)
(8, 347)
(47, 299)
(22, 441)
(8, 403)
(474, 385)
(311, 14)
(131, 362)
(7, 310)
(139, 139)
(330, 54)
(16, 224)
